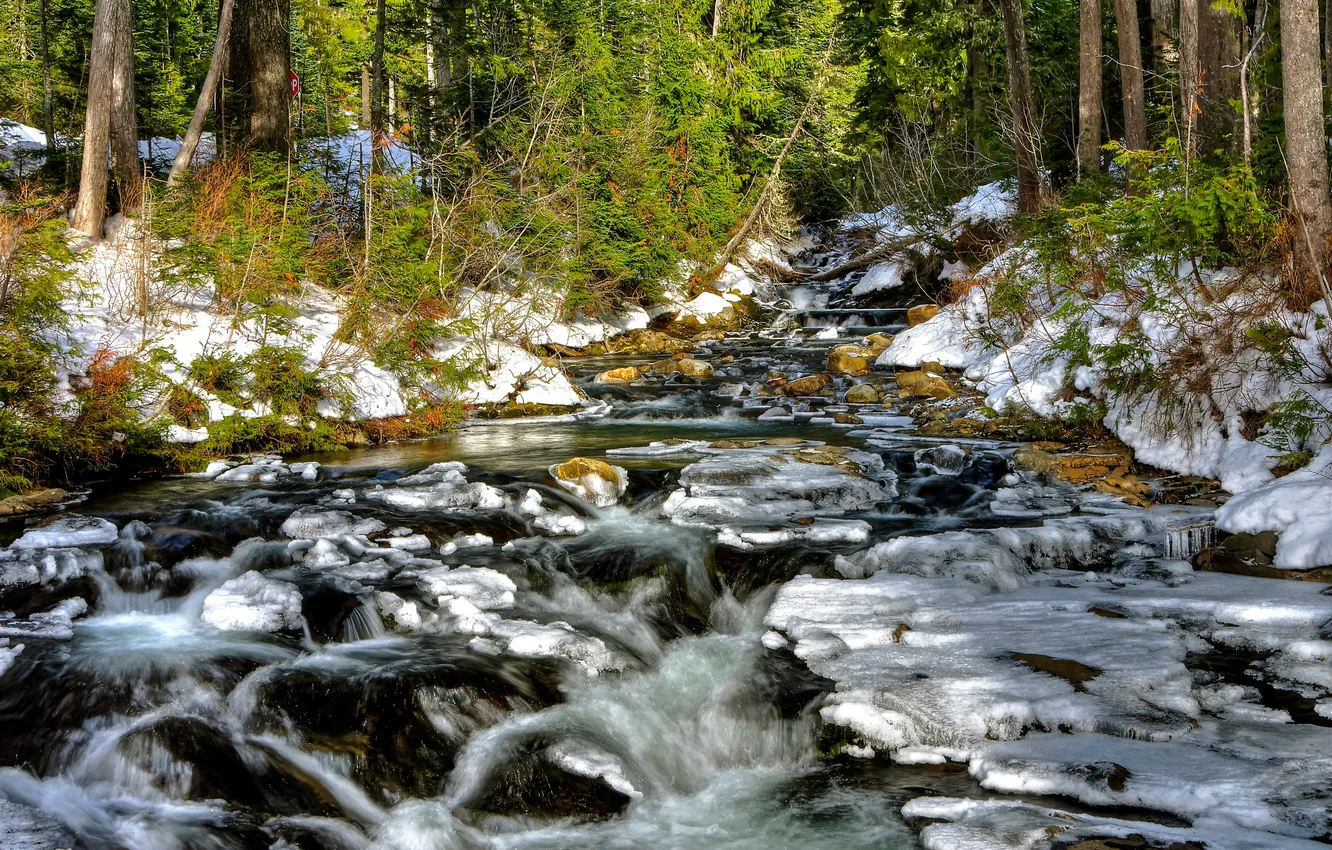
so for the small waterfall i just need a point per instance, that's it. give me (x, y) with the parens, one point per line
(1183, 543)
(363, 623)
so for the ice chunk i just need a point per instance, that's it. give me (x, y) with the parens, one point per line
(311, 523)
(68, 532)
(252, 602)
(942, 460)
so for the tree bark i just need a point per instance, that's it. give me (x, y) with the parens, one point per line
(1188, 73)
(377, 73)
(124, 123)
(1130, 74)
(270, 76)
(365, 95)
(48, 112)
(90, 209)
(1024, 111)
(1089, 88)
(1306, 145)
(1217, 125)
(192, 135)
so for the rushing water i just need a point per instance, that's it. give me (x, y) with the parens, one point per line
(661, 719)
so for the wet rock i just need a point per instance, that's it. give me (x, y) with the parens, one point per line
(878, 343)
(26, 828)
(942, 460)
(624, 375)
(648, 341)
(252, 602)
(808, 385)
(687, 366)
(1258, 548)
(921, 313)
(549, 784)
(847, 419)
(849, 359)
(592, 480)
(925, 385)
(34, 501)
(861, 394)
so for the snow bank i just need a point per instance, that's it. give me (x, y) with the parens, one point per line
(1298, 507)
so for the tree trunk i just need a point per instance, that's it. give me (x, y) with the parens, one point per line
(716, 16)
(1327, 49)
(1024, 110)
(1130, 74)
(1188, 73)
(1217, 125)
(124, 123)
(270, 76)
(48, 112)
(1306, 145)
(192, 135)
(235, 113)
(365, 95)
(377, 73)
(90, 210)
(1089, 88)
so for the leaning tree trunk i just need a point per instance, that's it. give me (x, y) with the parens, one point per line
(1130, 74)
(270, 76)
(192, 135)
(124, 123)
(90, 210)
(1089, 88)
(1024, 110)
(1306, 144)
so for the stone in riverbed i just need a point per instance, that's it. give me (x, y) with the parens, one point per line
(624, 375)
(808, 385)
(684, 365)
(36, 500)
(921, 313)
(592, 480)
(861, 394)
(925, 385)
(849, 359)
(878, 343)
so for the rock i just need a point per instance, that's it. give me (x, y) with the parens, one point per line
(808, 385)
(1259, 548)
(648, 341)
(594, 481)
(861, 394)
(925, 385)
(26, 828)
(921, 313)
(877, 343)
(36, 500)
(1218, 560)
(847, 419)
(942, 460)
(932, 367)
(709, 335)
(624, 375)
(849, 359)
(684, 365)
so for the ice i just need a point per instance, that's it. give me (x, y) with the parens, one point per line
(7, 655)
(766, 487)
(440, 485)
(312, 523)
(592, 487)
(961, 824)
(485, 589)
(68, 532)
(264, 470)
(1298, 507)
(253, 602)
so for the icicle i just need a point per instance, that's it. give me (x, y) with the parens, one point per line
(1183, 543)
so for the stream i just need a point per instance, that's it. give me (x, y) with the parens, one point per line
(787, 629)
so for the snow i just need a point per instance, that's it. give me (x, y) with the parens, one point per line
(880, 276)
(440, 485)
(68, 532)
(311, 523)
(253, 602)
(1298, 507)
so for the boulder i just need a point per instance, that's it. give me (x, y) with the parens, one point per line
(648, 341)
(592, 480)
(808, 385)
(684, 365)
(849, 359)
(861, 394)
(924, 385)
(921, 313)
(624, 375)
(36, 500)
(847, 419)
(877, 343)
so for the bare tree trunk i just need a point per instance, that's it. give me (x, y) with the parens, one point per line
(1024, 110)
(1130, 74)
(1256, 37)
(124, 123)
(90, 210)
(270, 75)
(1188, 73)
(365, 95)
(48, 112)
(1089, 88)
(192, 135)
(1306, 143)
(716, 16)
